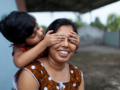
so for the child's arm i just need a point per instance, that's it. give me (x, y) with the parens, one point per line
(21, 58)
(74, 38)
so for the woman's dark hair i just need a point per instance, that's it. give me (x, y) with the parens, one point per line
(17, 26)
(60, 22)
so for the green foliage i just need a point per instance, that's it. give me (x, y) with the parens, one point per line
(44, 27)
(78, 22)
(97, 23)
(113, 22)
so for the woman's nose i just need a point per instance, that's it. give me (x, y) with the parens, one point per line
(65, 43)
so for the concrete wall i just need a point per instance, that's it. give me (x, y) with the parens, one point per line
(112, 38)
(90, 35)
(7, 68)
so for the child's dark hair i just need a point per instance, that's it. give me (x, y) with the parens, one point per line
(60, 22)
(17, 26)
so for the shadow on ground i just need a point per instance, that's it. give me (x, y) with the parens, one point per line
(101, 70)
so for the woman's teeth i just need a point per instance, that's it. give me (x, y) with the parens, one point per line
(63, 52)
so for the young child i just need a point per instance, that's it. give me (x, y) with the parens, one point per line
(27, 37)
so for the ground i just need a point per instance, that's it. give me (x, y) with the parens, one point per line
(100, 66)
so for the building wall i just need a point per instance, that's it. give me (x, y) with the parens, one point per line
(112, 38)
(7, 67)
(90, 35)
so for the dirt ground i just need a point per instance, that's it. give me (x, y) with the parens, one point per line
(100, 66)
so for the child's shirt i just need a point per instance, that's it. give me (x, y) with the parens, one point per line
(24, 49)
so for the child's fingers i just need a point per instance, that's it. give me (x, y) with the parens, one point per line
(55, 41)
(58, 36)
(49, 32)
(59, 40)
(73, 40)
(74, 35)
(73, 32)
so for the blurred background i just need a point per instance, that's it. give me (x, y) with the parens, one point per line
(98, 23)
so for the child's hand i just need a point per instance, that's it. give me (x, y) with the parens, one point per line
(74, 38)
(52, 39)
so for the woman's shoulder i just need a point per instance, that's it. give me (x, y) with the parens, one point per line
(25, 78)
(34, 66)
(76, 75)
(35, 69)
(75, 70)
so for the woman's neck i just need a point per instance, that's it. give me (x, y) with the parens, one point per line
(55, 65)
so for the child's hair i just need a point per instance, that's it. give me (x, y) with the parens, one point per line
(17, 26)
(60, 22)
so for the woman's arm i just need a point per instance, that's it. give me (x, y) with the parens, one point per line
(27, 82)
(81, 87)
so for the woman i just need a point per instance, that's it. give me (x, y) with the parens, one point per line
(54, 72)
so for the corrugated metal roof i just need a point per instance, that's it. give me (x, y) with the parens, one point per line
(81, 6)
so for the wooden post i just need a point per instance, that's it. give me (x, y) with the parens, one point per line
(21, 5)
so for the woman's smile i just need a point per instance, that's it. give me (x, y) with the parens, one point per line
(63, 53)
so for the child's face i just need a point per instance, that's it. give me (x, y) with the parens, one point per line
(36, 37)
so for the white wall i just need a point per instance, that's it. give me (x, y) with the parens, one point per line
(7, 68)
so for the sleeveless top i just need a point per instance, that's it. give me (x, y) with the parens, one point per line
(45, 81)
(24, 49)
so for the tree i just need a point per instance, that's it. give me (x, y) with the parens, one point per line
(78, 21)
(113, 22)
(97, 23)
(44, 27)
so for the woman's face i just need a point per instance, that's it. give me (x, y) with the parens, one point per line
(62, 51)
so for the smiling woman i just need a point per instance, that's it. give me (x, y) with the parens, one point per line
(54, 72)
(61, 52)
